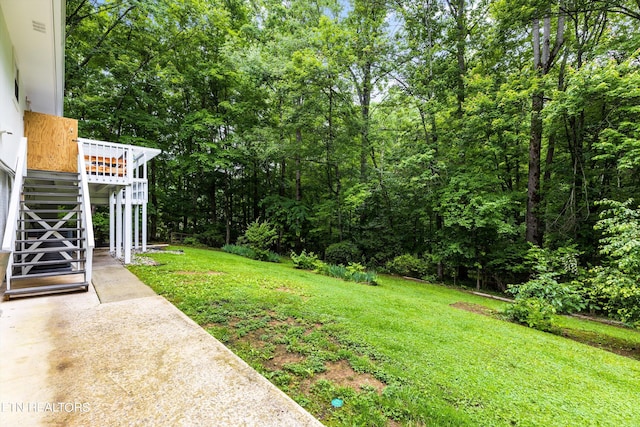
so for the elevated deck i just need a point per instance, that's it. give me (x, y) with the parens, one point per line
(110, 166)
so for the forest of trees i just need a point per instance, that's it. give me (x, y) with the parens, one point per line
(462, 132)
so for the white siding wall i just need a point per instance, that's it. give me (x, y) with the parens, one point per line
(11, 114)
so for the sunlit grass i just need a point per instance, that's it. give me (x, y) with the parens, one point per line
(440, 365)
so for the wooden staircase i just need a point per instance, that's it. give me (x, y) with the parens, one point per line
(50, 248)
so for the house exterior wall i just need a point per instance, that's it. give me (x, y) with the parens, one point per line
(11, 118)
(11, 110)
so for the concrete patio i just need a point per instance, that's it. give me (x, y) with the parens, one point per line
(121, 355)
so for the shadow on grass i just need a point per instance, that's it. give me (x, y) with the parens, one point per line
(612, 344)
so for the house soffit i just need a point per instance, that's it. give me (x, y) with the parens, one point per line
(36, 29)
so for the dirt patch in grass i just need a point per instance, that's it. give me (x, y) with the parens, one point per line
(338, 372)
(281, 357)
(197, 273)
(288, 322)
(608, 343)
(342, 374)
(473, 308)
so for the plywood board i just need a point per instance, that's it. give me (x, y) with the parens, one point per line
(52, 142)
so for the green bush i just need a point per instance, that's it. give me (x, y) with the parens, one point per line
(354, 272)
(270, 256)
(101, 227)
(408, 265)
(241, 250)
(534, 312)
(612, 292)
(614, 287)
(304, 261)
(342, 253)
(259, 235)
(554, 274)
(211, 238)
(563, 297)
(193, 241)
(247, 252)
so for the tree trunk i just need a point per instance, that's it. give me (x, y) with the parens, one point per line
(533, 220)
(544, 55)
(298, 163)
(228, 209)
(365, 104)
(458, 11)
(256, 192)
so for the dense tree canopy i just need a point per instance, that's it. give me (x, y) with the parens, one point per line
(457, 131)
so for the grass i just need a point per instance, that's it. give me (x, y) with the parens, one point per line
(399, 353)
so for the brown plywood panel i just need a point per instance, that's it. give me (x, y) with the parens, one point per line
(51, 142)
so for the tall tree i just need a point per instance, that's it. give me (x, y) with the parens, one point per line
(545, 53)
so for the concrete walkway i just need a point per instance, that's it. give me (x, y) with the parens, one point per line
(120, 355)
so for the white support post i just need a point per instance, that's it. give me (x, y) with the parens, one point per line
(136, 225)
(128, 227)
(144, 226)
(112, 223)
(145, 199)
(119, 227)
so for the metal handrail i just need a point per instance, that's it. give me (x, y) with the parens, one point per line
(86, 213)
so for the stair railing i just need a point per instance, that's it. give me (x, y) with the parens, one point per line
(86, 213)
(9, 239)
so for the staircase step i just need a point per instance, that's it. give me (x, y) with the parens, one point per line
(49, 202)
(50, 175)
(52, 262)
(49, 274)
(68, 194)
(50, 240)
(40, 230)
(46, 289)
(58, 249)
(62, 211)
(48, 220)
(67, 185)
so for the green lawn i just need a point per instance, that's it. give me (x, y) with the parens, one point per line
(398, 353)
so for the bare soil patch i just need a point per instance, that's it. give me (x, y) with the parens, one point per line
(342, 374)
(339, 372)
(617, 346)
(282, 357)
(473, 308)
(607, 343)
(197, 273)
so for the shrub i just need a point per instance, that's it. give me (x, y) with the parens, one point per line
(192, 241)
(563, 297)
(305, 261)
(534, 312)
(615, 293)
(211, 238)
(613, 288)
(408, 265)
(342, 253)
(241, 250)
(259, 235)
(551, 282)
(354, 272)
(332, 270)
(270, 256)
(101, 227)
(247, 252)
